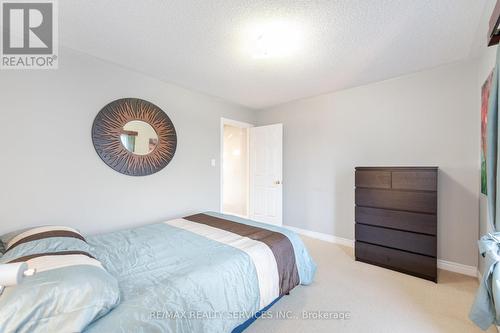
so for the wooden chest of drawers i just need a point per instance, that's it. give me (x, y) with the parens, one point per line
(396, 219)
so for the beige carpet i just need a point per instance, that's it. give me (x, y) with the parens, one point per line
(378, 300)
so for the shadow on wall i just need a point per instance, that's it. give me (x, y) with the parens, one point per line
(344, 182)
(453, 221)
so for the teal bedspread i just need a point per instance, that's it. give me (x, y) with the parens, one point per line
(174, 280)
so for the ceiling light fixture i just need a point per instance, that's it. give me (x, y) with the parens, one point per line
(276, 39)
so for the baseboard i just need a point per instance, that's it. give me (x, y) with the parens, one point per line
(322, 236)
(457, 268)
(441, 264)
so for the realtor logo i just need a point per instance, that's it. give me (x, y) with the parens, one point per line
(29, 37)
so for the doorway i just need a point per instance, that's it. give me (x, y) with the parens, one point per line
(235, 167)
(252, 171)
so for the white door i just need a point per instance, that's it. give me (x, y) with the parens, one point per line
(266, 174)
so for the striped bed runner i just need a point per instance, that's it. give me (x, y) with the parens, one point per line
(272, 253)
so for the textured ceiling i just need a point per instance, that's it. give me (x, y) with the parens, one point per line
(198, 44)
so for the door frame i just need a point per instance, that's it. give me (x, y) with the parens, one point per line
(240, 124)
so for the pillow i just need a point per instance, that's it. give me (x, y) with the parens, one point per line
(15, 238)
(4, 239)
(69, 291)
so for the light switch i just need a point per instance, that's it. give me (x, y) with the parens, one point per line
(212, 162)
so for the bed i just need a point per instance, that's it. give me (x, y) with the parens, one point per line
(202, 273)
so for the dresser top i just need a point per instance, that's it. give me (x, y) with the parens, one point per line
(399, 168)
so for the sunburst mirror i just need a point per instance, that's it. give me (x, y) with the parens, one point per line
(134, 137)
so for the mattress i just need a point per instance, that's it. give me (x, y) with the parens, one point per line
(203, 273)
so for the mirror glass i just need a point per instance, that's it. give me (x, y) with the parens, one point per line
(139, 137)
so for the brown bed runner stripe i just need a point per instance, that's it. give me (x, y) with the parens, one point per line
(47, 234)
(279, 244)
(61, 253)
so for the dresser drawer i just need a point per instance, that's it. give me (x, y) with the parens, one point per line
(414, 180)
(402, 240)
(416, 222)
(418, 202)
(405, 262)
(373, 179)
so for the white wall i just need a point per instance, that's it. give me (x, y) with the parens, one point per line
(428, 118)
(50, 172)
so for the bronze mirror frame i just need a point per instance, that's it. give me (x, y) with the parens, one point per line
(108, 126)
